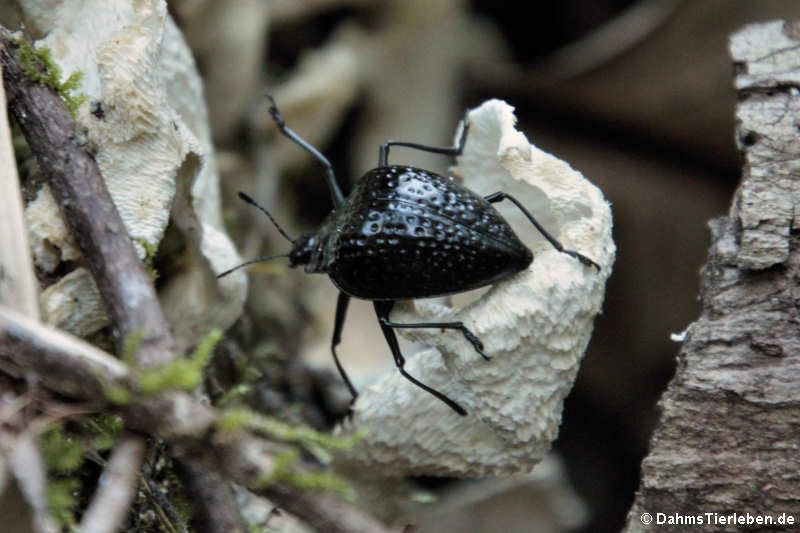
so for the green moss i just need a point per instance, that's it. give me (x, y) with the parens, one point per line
(205, 348)
(233, 394)
(239, 417)
(320, 481)
(178, 374)
(233, 419)
(103, 430)
(62, 500)
(314, 441)
(150, 251)
(62, 451)
(117, 393)
(181, 373)
(38, 64)
(323, 480)
(129, 346)
(286, 459)
(40, 67)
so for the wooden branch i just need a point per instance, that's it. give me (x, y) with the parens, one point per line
(727, 439)
(20, 291)
(64, 363)
(26, 462)
(211, 497)
(80, 191)
(109, 508)
(323, 512)
(18, 286)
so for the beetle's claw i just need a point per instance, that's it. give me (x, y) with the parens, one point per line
(273, 110)
(465, 125)
(476, 343)
(350, 412)
(582, 258)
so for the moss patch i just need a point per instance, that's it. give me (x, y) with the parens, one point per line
(40, 67)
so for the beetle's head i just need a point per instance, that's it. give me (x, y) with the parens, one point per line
(301, 250)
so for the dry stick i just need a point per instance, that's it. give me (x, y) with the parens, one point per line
(26, 463)
(323, 512)
(202, 484)
(86, 205)
(19, 290)
(61, 361)
(18, 286)
(109, 507)
(75, 179)
(71, 366)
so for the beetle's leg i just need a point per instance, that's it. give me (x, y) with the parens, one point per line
(475, 341)
(383, 155)
(341, 313)
(336, 192)
(382, 309)
(500, 196)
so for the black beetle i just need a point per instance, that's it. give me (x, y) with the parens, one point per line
(407, 233)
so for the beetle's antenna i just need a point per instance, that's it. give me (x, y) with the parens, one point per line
(259, 260)
(252, 202)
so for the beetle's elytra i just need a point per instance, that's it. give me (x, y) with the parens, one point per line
(406, 233)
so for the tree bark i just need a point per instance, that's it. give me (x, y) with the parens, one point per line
(727, 442)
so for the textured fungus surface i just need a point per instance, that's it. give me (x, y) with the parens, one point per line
(145, 121)
(535, 325)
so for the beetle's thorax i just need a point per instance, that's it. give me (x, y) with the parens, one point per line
(302, 248)
(316, 251)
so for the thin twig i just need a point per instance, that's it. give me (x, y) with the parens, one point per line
(323, 512)
(168, 516)
(205, 489)
(63, 362)
(18, 287)
(109, 507)
(27, 464)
